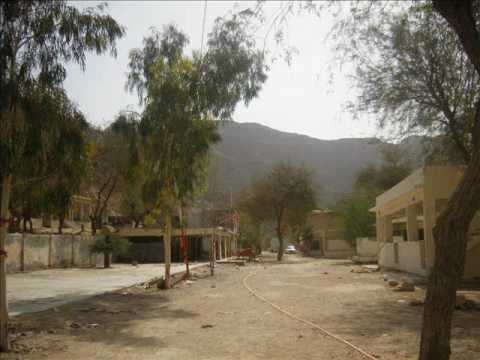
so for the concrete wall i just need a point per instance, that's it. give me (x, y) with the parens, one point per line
(338, 248)
(367, 247)
(409, 257)
(33, 252)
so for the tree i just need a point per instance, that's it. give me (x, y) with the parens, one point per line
(286, 196)
(36, 39)
(109, 245)
(254, 215)
(182, 96)
(107, 161)
(452, 226)
(422, 72)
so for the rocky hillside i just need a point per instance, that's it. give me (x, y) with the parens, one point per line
(249, 150)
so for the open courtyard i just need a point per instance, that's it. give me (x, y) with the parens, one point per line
(218, 318)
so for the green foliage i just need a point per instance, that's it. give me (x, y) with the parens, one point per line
(372, 181)
(285, 196)
(110, 244)
(37, 38)
(182, 96)
(354, 208)
(358, 221)
(412, 71)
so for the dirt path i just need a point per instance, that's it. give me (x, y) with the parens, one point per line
(217, 318)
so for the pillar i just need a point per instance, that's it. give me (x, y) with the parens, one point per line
(220, 247)
(226, 246)
(412, 224)
(428, 224)
(388, 228)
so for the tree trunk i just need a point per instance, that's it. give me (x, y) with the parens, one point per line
(96, 223)
(451, 236)
(107, 260)
(61, 222)
(280, 245)
(167, 249)
(5, 202)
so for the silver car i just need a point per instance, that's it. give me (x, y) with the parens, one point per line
(290, 249)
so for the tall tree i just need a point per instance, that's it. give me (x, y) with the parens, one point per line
(36, 39)
(182, 96)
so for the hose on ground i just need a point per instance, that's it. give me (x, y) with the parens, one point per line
(309, 323)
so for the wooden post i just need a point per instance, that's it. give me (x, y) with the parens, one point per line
(4, 215)
(167, 245)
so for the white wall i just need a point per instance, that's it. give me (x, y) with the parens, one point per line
(367, 247)
(409, 257)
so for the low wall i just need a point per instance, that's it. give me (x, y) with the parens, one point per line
(403, 256)
(338, 249)
(34, 252)
(367, 247)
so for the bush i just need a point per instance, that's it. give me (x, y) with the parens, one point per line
(108, 245)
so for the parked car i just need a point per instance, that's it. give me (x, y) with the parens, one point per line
(290, 249)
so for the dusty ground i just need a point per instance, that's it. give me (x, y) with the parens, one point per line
(217, 318)
(44, 289)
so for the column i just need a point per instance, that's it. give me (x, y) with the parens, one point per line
(412, 224)
(388, 228)
(428, 224)
(220, 247)
(226, 245)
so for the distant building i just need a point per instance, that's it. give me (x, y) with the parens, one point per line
(328, 233)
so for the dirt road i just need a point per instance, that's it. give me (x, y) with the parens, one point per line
(217, 318)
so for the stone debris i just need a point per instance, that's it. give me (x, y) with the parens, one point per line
(392, 283)
(405, 285)
(74, 325)
(415, 302)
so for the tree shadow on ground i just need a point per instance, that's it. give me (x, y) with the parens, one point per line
(107, 319)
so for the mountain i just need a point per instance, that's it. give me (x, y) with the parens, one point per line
(249, 150)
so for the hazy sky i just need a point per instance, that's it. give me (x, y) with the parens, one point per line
(297, 98)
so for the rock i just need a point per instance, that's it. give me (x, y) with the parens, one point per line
(405, 286)
(213, 286)
(75, 325)
(161, 284)
(207, 326)
(415, 302)
(392, 283)
(134, 263)
(385, 277)
(325, 273)
(93, 326)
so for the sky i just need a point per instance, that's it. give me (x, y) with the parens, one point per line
(299, 97)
